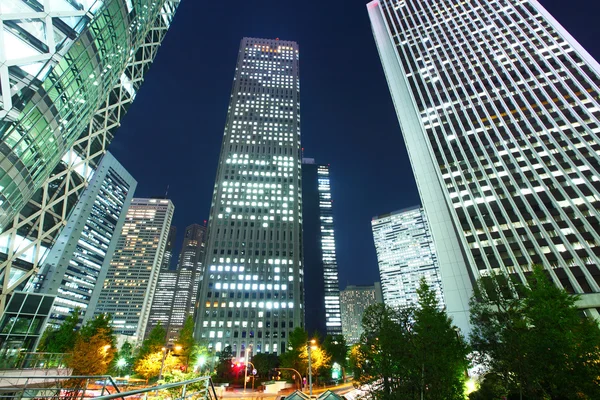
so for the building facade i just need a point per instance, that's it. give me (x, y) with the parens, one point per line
(405, 254)
(354, 300)
(177, 291)
(252, 291)
(56, 121)
(130, 284)
(322, 296)
(79, 260)
(499, 109)
(168, 257)
(162, 303)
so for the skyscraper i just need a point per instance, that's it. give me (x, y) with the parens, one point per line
(79, 260)
(322, 296)
(168, 256)
(406, 254)
(67, 77)
(132, 278)
(161, 310)
(191, 262)
(354, 300)
(499, 110)
(252, 289)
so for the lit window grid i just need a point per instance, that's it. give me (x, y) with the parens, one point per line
(353, 302)
(267, 151)
(132, 278)
(405, 254)
(581, 95)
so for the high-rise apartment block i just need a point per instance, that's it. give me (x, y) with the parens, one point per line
(79, 260)
(322, 296)
(68, 72)
(499, 107)
(354, 300)
(132, 278)
(405, 254)
(251, 294)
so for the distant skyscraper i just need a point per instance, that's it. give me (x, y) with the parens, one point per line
(322, 296)
(132, 278)
(162, 303)
(77, 264)
(406, 254)
(64, 87)
(166, 264)
(354, 300)
(499, 109)
(191, 262)
(253, 281)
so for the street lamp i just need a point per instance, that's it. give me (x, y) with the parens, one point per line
(121, 363)
(162, 363)
(246, 368)
(309, 346)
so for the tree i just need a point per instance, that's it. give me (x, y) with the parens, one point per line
(124, 360)
(101, 323)
(534, 339)
(189, 347)
(296, 355)
(149, 365)
(337, 348)
(264, 362)
(414, 353)
(224, 371)
(439, 349)
(63, 338)
(153, 343)
(92, 356)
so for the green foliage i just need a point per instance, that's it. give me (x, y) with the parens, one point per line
(124, 360)
(537, 344)
(190, 351)
(337, 349)
(62, 339)
(101, 323)
(93, 355)
(415, 353)
(152, 345)
(264, 363)
(149, 365)
(224, 370)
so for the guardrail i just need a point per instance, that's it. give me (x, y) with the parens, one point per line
(56, 387)
(198, 388)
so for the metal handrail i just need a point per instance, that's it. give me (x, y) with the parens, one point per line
(209, 387)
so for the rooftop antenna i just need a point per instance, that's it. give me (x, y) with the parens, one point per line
(167, 191)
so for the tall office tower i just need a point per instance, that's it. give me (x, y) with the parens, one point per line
(191, 262)
(168, 256)
(132, 278)
(406, 254)
(79, 260)
(67, 77)
(161, 310)
(252, 289)
(499, 110)
(354, 300)
(322, 296)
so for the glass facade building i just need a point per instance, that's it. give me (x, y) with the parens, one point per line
(499, 108)
(168, 256)
(405, 254)
(354, 300)
(162, 303)
(252, 289)
(79, 260)
(68, 73)
(130, 284)
(322, 296)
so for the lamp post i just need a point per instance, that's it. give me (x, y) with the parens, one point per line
(162, 363)
(309, 345)
(246, 368)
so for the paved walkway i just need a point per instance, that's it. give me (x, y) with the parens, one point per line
(250, 395)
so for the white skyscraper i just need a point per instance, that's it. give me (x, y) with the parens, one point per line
(406, 254)
(354, 300)
(499, 108)
(252, 289)
(132, 278)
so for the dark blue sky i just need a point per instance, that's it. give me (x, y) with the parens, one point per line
(172, 132)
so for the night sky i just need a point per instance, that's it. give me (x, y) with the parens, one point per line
(172, 134)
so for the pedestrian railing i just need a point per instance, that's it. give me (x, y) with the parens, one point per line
(56, 387)
(193, 389)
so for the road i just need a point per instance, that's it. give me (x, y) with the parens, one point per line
(240, 395)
